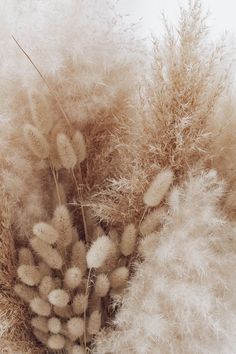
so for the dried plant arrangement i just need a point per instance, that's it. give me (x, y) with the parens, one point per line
(117, 217)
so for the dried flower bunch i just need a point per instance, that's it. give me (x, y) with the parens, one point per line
(116, 232)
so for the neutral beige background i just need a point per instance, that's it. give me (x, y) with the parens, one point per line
(223, 14)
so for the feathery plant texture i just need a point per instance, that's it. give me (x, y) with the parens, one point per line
(112, 162)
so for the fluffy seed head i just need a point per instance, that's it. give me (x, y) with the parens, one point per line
(99, 252)
(29, 274)
(40, 306)
(102, 285)
(47, 253)
(128, 240)
(76, 326)
(63, 312)
(45, 232)
(40, 323)
(42, 337)
(56, 342)
(73, 277)
(46, 286)
(94, 322)
(80, 304)
(79, 146)
(25, 256)
(54, 325)
(77, 349)
(39, 113)
(58, 297)
(66, 151)
(78, 257)
(119, 277)
(151, 222)
(158, 188)
(25, 292)
(44, 269)
(62, 223)
(36, 142)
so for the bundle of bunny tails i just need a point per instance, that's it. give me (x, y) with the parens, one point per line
(117, 183)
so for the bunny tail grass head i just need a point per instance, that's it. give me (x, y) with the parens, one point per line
(66, 151)
(99, 252)
(158, 188)
(36, 142)
(79, 146)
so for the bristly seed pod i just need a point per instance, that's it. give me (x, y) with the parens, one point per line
(46, 286)
(102, 285)
(54, 325)
(78, 257)
(79, 146)
(25, 292)
(62, 223)
(59, 297)
(47, 253)
(151, 221)
(76, 326)
(40, 306)
(94, 322)
(25, 256)
(158, 188)
(36, 141)
(56, 342)
(29, 274)
(45, 232)
(66, 152)
(80, 304)
(41, 323)
(73, 277)
(77, 349)
(119, 277)
(128, 240)
(99, 252)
